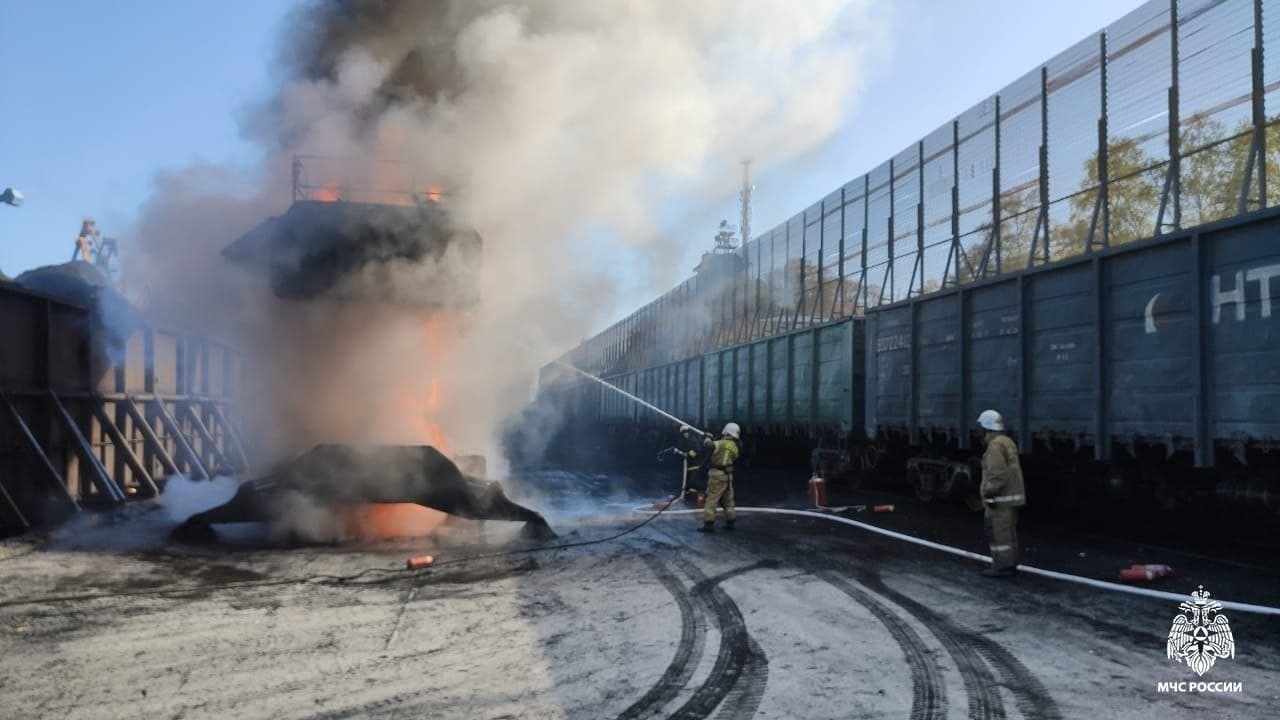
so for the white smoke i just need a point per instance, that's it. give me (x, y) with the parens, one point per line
(558, 130)
(183, 497)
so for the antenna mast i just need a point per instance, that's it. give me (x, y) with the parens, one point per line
(745, 196)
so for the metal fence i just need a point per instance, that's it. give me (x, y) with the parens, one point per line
(1157, 123)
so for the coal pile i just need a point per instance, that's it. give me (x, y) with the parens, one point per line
(86, 285)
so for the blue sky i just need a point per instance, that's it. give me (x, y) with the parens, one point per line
(95, 98)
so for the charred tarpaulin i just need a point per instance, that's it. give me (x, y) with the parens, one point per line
(91, 416)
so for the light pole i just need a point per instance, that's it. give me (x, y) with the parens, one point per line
(11, 197)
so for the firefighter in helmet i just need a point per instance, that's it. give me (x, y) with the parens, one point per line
(695, 456)
(1002, 495)
(720, 478)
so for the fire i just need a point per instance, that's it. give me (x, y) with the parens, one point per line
(389, 521)
(411, 417)
(326, 194)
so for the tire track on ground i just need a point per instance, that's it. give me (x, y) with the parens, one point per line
(738, 651)
(693, 636)
(1033, 699)
(745, 699)
(1030, 695)
(928, 689)
(980, 685)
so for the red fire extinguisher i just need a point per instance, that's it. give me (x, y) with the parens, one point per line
(818, 491)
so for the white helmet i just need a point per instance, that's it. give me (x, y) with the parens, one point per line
(991, 420)
(685, 428)
(732, 431)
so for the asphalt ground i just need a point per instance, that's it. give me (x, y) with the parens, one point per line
(782, 618)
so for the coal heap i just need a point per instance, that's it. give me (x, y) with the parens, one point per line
(86, 285)
(364, 252)
(76, 282)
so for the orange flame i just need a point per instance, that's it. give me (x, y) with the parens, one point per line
(326, 194)
(412, 418)
(390, 521)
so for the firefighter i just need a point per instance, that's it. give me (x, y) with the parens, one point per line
(86, 241)
(720, 478)
(694, 456)
(1002, 495)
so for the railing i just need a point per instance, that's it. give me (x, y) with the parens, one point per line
(375, 181)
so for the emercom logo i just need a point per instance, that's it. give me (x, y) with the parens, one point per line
(1199, 637)
(1183, 686)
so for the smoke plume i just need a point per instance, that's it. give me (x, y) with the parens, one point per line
(556, 130)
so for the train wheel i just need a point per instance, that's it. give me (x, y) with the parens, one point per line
(871, 456)
(924, 489)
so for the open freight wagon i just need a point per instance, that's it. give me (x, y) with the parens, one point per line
(787, 391)
(1152, 359)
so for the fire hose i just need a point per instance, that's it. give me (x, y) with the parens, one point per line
(387, 574)
(391, 574)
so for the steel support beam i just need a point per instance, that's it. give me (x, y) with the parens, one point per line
(33, 444)
(180, 440)
(215, 453)
(838, 298)
(1103, 205)
(919, 265)
(888, 268)
(17, 512)
(1172, 192)
(149, 435)
(123, 447)
(995, 198)
(956, 252)
(1258, 145)
(1040, 236)
(101, 478)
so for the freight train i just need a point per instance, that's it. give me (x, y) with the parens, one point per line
(1152, 367)
(1093, 251)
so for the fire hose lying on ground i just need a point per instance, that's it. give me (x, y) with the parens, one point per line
(342, 476)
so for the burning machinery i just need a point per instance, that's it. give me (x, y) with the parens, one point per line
(340, 477)
(410, 254)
